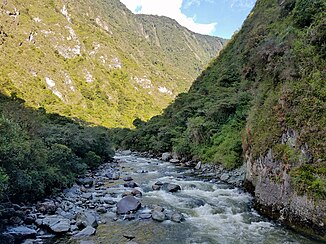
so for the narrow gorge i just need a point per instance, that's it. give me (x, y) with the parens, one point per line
(107, 136)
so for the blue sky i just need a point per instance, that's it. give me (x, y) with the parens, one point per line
(211, 17)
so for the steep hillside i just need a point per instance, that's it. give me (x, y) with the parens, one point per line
(262, 102)
(42, 153)
(95, 60)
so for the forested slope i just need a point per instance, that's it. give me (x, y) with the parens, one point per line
(262, 102)
(96, 60)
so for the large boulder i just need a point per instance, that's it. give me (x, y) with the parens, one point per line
(177, 217)
(56, 224)
(48, 207)
(87, 182)
(130, 184)
(171, 187)
(88, 231)
(126, 152)
(166, 156)
(158, 216)
(127, 204)
(198, 166)
(20, 233)
(174, 161)
(87, 218)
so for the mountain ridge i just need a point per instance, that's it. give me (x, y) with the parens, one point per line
(120, 73)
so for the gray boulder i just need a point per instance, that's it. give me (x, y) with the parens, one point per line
(166, 156)
(88, 231)
(174, 161)
(21, 233)
(57, 224)
(127, 204)
(130, 184)
(126, 152)
(87, 218)
(158, 216)
(87, 182)
(177, 217)
(47, 207)
(171, 187)
(198, 166)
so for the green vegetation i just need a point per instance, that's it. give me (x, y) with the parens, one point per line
(269, 79)
(42, 153)
(97, 61)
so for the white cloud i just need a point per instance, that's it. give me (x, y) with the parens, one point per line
(172, 9)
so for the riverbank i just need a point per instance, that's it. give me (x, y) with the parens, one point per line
(136, 196)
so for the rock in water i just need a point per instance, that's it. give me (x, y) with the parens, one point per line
(177, 217)
(171, 187)
(127, 204)
(128, 178)
(130, 184)
(87, 182)
(158, 216)
(198, 166)
(88, 231)
(166, 156)
(174, 161)
(126, 152)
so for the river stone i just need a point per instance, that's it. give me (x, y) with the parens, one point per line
(128, 204)
(198, 166)
(130, 184)
(166, 156)
(158, 216)
(158, 208)
(87, 218)
(86, 182)
(171, 187)
(87, 195)
(159, 183)
(88, 231)
(108, 200)
(128, 178)
(21, 232)
(57, 224)
(101, 210)
(174, 161)
(129, 236)
(126, 152)
(145, 215)
(156, 187)
(225, 177)
(113, 175)
(177, 217)
(136, 193)
(61, 227)
(47, 207)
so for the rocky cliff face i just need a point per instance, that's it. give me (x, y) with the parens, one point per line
(275, 193)
(95, 60)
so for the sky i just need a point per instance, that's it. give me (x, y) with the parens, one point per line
(210, 17)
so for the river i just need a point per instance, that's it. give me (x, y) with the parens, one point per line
(214, 212)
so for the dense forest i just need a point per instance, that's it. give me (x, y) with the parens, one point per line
(269, 78)
(42, 153)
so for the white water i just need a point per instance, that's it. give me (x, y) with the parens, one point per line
(214, 212)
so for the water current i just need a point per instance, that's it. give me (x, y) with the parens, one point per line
(214, 212)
